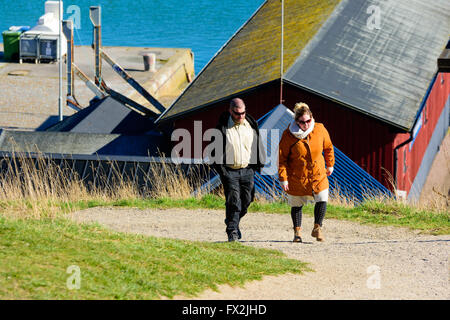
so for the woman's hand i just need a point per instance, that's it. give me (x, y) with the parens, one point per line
(285, 188)
(329, 171)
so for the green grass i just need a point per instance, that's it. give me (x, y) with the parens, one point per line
(35, 256)
(207, 201)
(38, 245)
(37, 249)
(396, 214)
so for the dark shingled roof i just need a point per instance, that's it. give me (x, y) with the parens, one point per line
(105, 116)
(77, 143)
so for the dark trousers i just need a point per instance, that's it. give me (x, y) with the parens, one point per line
(239, 188)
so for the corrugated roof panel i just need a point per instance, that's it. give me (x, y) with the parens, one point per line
(376, 56)
(252, 56)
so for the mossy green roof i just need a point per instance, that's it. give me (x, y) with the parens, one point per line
(252, 56)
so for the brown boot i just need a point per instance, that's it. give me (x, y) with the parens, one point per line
(317, 232)
(297, 234)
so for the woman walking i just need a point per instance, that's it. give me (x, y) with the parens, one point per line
(301, 168)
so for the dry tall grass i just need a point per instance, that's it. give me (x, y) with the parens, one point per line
(32, 189)
(170, 181)
(36, 188)
(40, 188)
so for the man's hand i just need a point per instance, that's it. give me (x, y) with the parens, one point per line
(285, 188)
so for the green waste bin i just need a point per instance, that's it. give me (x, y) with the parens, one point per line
(11, 40)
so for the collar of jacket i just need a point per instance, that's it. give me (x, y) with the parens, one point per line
(223, 120)
(298, 132)
(232, 124)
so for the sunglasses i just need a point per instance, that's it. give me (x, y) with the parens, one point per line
(238, 114)
(304, 122)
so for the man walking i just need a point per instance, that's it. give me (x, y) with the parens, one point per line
(243, 156)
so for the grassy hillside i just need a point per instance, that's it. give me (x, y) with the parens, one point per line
(44, 255)
(58, 259)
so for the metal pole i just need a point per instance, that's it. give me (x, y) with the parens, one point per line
(124, 75)
(60, 99)
(68, 33)
(95, 16)
(89, 83)
(282, 52)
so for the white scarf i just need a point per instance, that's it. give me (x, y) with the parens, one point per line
(299, 133)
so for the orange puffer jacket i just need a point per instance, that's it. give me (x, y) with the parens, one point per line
(301, 162)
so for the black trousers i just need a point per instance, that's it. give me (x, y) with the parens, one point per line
(239, 188)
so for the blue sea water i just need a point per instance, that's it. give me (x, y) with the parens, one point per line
(202, 25)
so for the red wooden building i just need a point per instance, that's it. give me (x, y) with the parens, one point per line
(375, 87)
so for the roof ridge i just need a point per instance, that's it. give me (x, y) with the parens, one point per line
(251, 57)
(211, 60)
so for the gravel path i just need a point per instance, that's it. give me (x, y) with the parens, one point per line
(356, 261)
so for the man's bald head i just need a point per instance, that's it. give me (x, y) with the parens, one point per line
(237, 103)
(237, 110)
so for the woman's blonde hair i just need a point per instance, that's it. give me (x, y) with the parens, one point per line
(301, 109)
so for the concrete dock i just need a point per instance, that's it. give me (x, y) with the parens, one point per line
(29, 92)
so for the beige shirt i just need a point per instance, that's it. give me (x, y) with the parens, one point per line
(239, 143)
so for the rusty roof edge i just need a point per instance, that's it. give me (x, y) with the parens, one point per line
(347, 105)
(185, 112)
(315, 40)
(204, 68)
